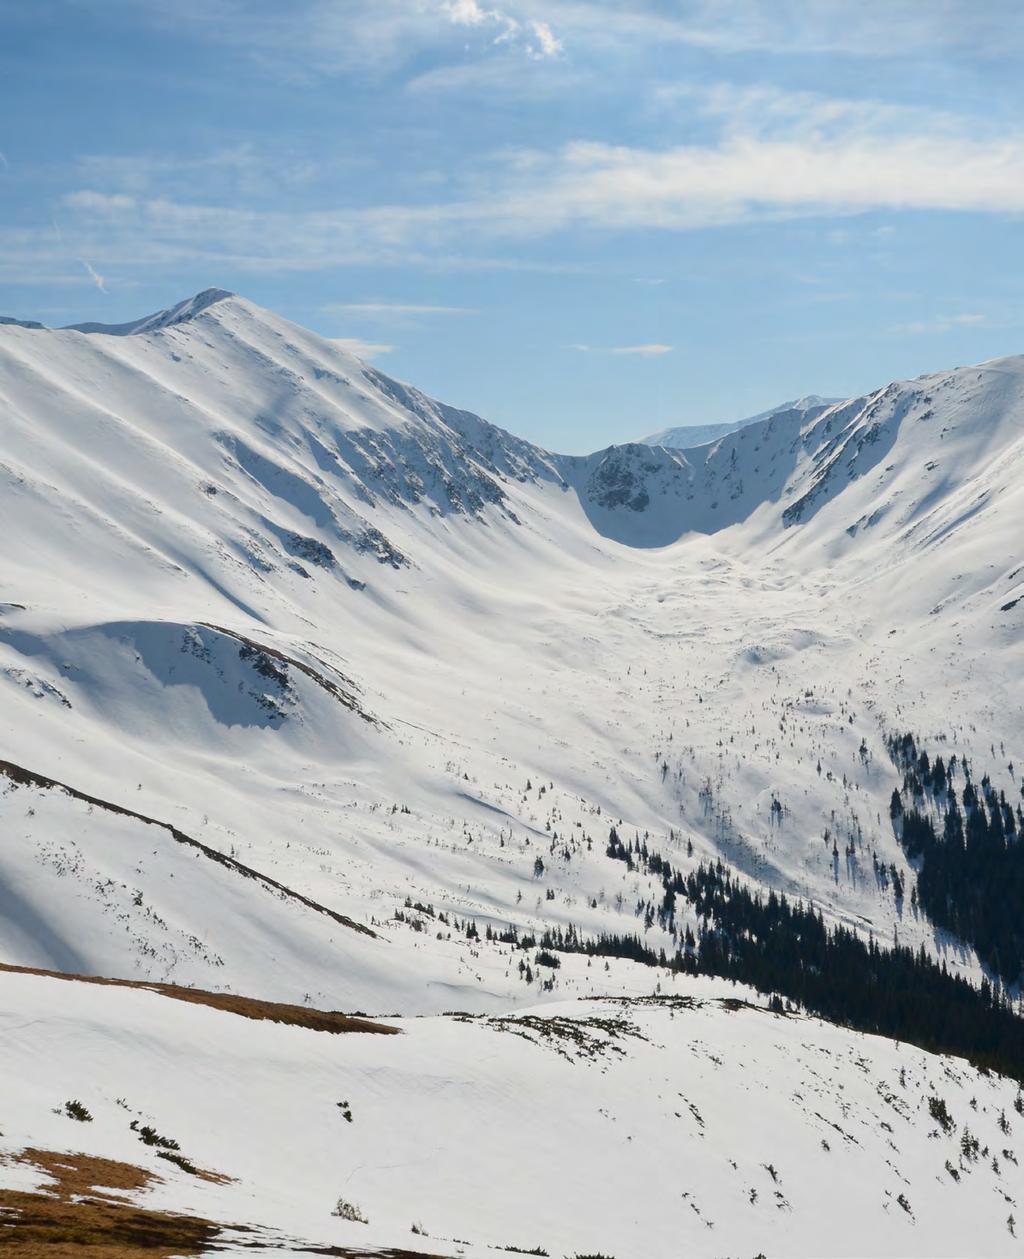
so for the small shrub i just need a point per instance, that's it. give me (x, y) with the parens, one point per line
(179, 1160)
(349, 1211)
(75, 1110)
(939, 1112)
(150, 1136)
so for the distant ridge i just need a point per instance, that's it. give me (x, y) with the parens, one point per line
(10, 321)
(687, 436)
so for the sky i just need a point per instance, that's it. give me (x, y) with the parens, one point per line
(584, 219)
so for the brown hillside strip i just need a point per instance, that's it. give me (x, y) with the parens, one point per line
(22, 777)
(248, 1007)
(81, 1216)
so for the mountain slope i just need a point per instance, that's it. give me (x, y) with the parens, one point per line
(376, 649)
(686, 436)
(316, 690)
(710, 1125)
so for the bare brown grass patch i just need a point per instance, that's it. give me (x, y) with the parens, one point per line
(83, 1214)
(247, 1007)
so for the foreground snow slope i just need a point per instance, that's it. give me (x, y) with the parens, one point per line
(693, 1124)
(308, 644)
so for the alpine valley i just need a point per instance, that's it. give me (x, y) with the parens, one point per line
(415, 842)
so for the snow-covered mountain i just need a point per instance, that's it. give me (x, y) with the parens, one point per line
(317, 690)
(686, 436)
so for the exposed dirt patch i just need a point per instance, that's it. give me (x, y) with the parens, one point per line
(248, 1007)
(83, 1214)
(86, 1173)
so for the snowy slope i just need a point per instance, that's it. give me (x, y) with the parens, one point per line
(686, 436)
(373, 648)
(312, 688)
(696, 1123)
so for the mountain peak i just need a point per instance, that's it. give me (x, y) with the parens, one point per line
(182, 312)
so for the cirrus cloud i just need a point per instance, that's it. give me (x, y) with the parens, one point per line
(774, 156)
(653, 349)
(361, 348)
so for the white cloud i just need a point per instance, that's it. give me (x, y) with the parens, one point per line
(387, 309)
(94, 275)
(788, 171)
(360, 348)
(878, 29)
(308, 39)
(938, 324)
(547, 44)
(464, 12)
(102, 203)
(651, 350)
(501, 76)
(535, 35)
(469, 13)
(771, 156)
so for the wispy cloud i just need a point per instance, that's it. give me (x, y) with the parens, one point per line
(241, 170)
(94, 275)
(362, 349)
(318, 37)
(535, 35)
(875, 29)
(771, 156)
(652, 349)
(387, 310)
(501, 77)
(937, 324)
(545, 42)
(309, 39)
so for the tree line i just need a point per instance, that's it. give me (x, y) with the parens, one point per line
(778, 946)
(965, 841)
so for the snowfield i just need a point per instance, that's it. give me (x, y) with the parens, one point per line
(691, 1124)
(312, 688)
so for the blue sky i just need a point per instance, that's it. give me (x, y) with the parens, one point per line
(584, 220)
